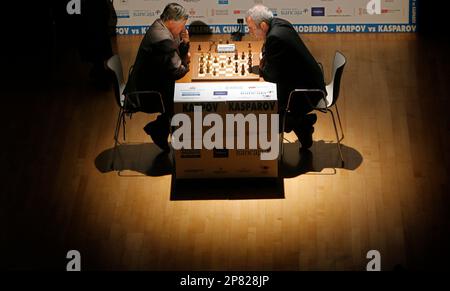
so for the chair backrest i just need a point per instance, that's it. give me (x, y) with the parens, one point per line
(338, 68)
(115, 65)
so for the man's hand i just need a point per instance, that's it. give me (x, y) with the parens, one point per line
(188, 58)
(262, 62)
(185, 36)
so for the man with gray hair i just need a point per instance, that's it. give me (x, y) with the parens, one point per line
(163, 57)
(287, 62)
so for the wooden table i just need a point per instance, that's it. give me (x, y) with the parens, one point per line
(225, 96)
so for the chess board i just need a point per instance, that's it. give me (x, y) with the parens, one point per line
(222, 66)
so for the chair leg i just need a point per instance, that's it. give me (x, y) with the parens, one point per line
(116, 136)
(340, 124)
(282, 137)
(118, 124)
(124, 127)
(337, 137)
(281, 154)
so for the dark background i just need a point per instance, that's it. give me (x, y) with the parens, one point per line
(37, 34)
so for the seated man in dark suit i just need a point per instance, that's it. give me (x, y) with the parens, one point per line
(287, 62)
(163, 58)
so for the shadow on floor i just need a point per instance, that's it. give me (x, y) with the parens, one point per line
(227, 189)
(148, 160)
(144, 158)
(322, 156)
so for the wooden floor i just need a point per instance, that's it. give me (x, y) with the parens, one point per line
(58, 194)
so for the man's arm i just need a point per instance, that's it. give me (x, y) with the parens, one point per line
(184, 53)
(184, 45)
(174, 65)
(184, 49)
(273, 62)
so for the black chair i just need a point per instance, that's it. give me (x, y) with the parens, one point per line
(128, 103)
(328, 100)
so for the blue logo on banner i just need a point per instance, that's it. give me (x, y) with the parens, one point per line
(123, 13)
(190, 94)
(223, 2)
(220, 93)
(300, 28)
(317, 11)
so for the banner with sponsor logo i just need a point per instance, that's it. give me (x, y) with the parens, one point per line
(308, 16)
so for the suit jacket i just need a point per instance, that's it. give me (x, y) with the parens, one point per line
(160, 61)
(288, 62)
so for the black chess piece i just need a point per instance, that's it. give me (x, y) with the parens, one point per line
(243, 55)
(201, 70)
(249, 45)
(236, 57)
(229, 61)
(215, 60)
(214, 72)
(199, 47)
(243, 70)
(222, 65)
(211, 44)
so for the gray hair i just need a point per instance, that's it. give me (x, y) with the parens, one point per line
(260, 13)
(174, 11)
